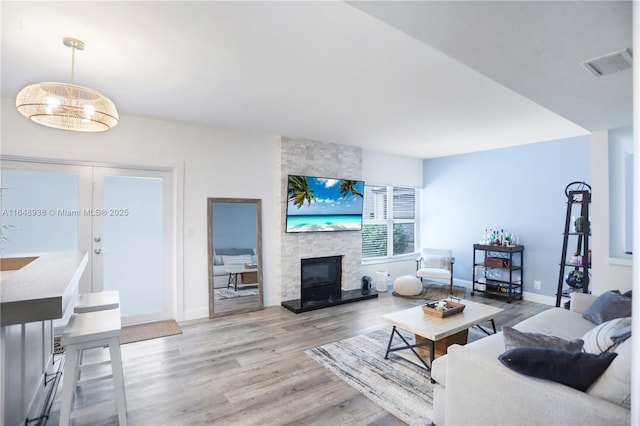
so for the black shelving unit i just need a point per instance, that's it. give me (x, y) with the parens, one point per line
(502, 258)
(576, 234)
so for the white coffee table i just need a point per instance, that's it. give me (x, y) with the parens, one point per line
(435, 332)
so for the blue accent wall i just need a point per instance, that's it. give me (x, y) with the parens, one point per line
(518, 189)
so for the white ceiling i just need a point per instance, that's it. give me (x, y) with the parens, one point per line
(407, 78)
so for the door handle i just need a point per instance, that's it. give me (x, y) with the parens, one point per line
(99, 251)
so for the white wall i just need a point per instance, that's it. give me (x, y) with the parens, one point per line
(606, 273)
(385, 169)
(214, 163)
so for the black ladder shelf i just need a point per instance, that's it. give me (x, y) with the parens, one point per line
(578, 195)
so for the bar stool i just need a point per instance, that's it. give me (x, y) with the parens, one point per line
(92, 302)
(100, 301)
(86, 331)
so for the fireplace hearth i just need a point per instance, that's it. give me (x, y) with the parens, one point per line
(321, 286)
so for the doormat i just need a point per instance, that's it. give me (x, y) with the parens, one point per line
(151, 330)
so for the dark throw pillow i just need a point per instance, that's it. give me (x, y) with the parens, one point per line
(514, 339)
(575, 369)
(609, 305)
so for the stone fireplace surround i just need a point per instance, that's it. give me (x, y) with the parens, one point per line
(321, 287)
(312, 158)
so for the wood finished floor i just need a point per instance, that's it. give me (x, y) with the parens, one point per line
(251, 369)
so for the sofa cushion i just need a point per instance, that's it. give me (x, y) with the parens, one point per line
(439, 262)
(237, 260)
(234, 251)
(607, 335)
(434, 273)
(515, 339)
(556, 322)
(609, 305)
(614, 384)
(575, 369)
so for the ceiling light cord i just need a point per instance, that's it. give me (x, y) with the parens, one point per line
(73, 64)
(74, 44)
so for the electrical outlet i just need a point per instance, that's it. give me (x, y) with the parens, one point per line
(537, 284)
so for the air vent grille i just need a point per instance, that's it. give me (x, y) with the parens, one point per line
(610, 63)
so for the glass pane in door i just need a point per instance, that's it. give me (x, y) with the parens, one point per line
(132, 249)
(40, 212)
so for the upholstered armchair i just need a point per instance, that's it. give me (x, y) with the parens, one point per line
(436, 264)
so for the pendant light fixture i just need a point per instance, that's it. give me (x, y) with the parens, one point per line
(67, 105)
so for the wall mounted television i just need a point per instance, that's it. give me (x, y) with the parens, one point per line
(316, 204)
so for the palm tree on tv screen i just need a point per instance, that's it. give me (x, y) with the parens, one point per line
(347, 187)
(298, 191)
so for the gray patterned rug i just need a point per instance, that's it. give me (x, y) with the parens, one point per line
(402, 388)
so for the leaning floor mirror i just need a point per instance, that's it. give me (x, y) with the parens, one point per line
(235, 255)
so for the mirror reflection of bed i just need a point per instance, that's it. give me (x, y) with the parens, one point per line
(234, 239)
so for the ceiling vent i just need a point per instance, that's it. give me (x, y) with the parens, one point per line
(609, 63)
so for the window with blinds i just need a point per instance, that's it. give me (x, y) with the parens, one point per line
(388, 221)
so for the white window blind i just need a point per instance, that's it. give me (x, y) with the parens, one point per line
(389, 221)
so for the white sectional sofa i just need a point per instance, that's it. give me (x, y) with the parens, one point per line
(474, 388)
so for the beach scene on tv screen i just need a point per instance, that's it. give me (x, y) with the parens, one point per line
(321, 204)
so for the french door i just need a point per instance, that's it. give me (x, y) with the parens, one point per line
(122, 217)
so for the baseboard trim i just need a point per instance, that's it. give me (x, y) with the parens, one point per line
(539, 298)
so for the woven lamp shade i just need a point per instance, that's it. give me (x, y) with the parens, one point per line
(67, 106)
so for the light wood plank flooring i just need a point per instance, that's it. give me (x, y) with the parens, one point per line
(250, 369)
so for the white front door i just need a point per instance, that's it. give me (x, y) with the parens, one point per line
(131, 240)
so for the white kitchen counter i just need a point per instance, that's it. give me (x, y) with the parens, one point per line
(42, 289)
(37, 290)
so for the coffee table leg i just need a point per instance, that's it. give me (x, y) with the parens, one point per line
(393, 331)
(493, 325)
(432, 351)
(409, 346)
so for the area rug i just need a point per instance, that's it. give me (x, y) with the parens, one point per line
(432, 291)
(228, 293)
(151, 330)
(402, 388)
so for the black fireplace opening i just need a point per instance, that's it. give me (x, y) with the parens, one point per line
(321, 280)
